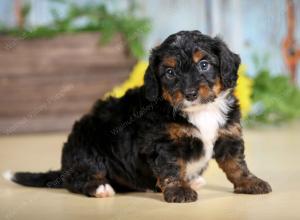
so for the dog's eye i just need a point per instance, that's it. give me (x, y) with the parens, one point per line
(204, 65)
(170, 73)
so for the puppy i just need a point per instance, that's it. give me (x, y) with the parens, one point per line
(160, 136)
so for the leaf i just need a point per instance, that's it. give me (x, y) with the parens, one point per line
(280, 100)
(100, 19)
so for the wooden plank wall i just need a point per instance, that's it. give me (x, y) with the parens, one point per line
(46, 84)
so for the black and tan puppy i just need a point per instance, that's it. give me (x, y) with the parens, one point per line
(162, 135)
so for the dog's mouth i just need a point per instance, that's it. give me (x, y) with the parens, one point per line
(182, 103)
(200, 102)
(205, 95)
(189, 106)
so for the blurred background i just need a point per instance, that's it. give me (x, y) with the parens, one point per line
(57, 57)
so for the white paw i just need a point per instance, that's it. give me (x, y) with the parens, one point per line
(104, 190)
(197, 183)
(8, 175)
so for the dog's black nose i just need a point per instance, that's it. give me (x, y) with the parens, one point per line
(191, 94)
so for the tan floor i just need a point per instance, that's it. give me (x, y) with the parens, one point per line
(272, 154)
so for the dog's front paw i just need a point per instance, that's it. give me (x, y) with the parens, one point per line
(180, 194)
(253, 185)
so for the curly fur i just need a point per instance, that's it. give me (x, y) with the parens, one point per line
(148, 140)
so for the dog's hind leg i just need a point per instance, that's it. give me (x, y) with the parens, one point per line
(89, 179)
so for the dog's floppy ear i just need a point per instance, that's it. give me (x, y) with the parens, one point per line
(150, 80)
(229, 64)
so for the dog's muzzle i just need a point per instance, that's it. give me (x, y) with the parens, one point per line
(191, 94)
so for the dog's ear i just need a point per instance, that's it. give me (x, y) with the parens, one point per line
(150, 79)
(229, 64)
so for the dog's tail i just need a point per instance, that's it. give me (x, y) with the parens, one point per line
(51, 179)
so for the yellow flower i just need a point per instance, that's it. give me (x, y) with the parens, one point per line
(243, 90)
(136, 78)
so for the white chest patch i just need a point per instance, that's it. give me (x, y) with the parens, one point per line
(208, 118)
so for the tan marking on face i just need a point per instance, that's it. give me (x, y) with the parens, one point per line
(204, 90)
(170, 61)
(197, 56)
(217, 88)
(167, 96)
(207, 93)
(178, 97)
(173, 100)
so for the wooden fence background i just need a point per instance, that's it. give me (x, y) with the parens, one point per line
(46, 84)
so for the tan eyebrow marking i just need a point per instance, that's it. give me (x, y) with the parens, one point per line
(170, 61)
(197, 56)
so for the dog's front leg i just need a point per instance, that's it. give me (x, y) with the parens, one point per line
(170, 179)
(175, 190)
(230, 158)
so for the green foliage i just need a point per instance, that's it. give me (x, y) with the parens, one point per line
(96, 18)
(275, 99)
(260, 61)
